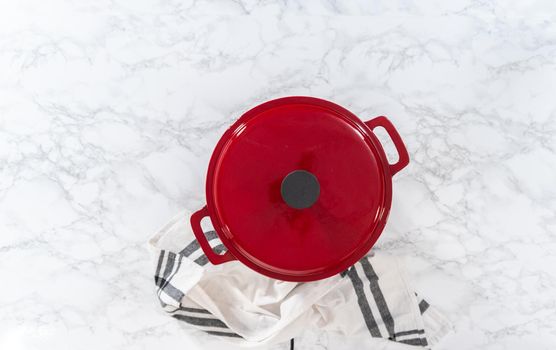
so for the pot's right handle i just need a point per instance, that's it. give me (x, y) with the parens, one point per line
(215, 259)
(403, 160)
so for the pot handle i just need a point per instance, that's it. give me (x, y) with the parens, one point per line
(215, 259)
(393, 133)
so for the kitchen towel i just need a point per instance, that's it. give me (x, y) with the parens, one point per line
(372, 298)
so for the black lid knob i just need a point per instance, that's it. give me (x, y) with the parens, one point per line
(300, 189)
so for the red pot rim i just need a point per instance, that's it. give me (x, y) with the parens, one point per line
(235, 250)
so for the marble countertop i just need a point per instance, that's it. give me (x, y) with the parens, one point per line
(109, 111)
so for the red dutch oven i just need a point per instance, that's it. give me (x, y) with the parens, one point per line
(298, 189)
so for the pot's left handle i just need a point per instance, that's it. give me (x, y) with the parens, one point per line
(403, 160)
(214, 258)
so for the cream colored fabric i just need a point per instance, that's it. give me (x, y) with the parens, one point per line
(373, 298)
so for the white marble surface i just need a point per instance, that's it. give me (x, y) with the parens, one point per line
(109, 111)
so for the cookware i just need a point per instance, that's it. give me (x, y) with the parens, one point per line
(298, 189)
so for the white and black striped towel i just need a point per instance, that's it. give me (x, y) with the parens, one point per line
(371, 298)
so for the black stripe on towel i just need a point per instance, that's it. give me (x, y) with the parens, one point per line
(205, 322)
(423, 306)
(169, 289)
(414, 341)
(159, 266)
(363, 303)
(203, 260)
(415, 331)
(194, 245)
(378, 296)
(224, 334)
(164, 283)
(169, 265)
(198, 321)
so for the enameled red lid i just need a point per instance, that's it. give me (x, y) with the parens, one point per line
(299, 188)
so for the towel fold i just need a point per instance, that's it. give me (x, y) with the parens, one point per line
(372, 298)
